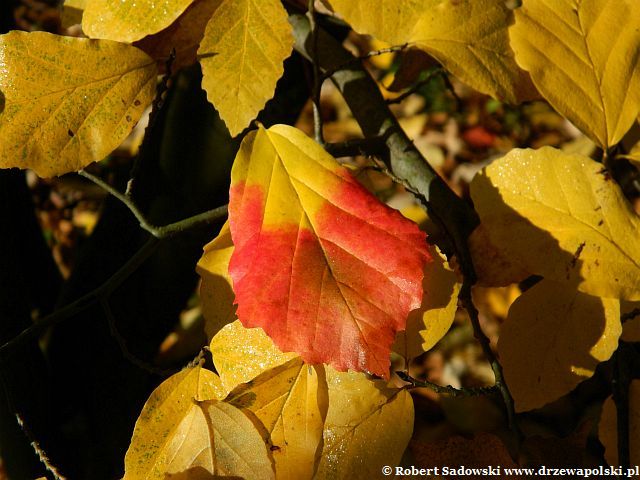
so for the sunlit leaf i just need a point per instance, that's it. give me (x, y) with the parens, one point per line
(429, 323)
(67, 101)
(240, 354)
(469, 37)
(562, 217)
(583, 57)
(608, 427)
(319, 263)
(171, 414)
(129, 20)
(291, 401)
(216, 291)
(368, 426)
(553, 339)
(242, 54)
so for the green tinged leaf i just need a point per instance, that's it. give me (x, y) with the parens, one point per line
(68, 101)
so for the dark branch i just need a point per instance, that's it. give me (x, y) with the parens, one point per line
(447, 390)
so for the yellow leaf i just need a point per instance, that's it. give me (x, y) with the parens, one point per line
(239, 448)
(553, 339)
(493, 266)
(291, 401)
(586, 68)
(608, 427)
(68, 101)
(168, 415)
(242, 54)
(216, 291)
(240, 354)
(469, 37)
(368, 426)
(429, 323)
(561, 216)
(129, 20)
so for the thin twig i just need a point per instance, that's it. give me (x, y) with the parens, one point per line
(84, 302)
(164, 231)
(317, 81)
(113, 328)
(467, 302)
(630, 315)
(447, 390)
(38, 450)
(416, 87)
(355, 60)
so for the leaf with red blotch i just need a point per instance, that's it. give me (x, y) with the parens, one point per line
(319, 263)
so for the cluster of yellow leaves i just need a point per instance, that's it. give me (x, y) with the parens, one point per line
(267, 414)
(559, 215)
(66, 102)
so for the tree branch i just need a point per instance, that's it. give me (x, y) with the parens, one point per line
(447, 390)
(164, 231)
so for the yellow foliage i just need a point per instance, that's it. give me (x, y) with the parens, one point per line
(242, 55)
(583, 58)
(553, 339)
(608, 427)
(428, 324)
(291, 401)
(240, 354)
(368, 426)
(68, 101)
(560, 216)
(170, 413)
(469, 37)
(216, 289)
(129, 20)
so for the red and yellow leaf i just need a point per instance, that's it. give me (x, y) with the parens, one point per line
(320, 264)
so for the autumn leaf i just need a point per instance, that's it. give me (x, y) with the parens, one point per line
(586, 68)
(608, 427)
(183, 36)
(170, 413)
(68, 101)
(560, 216)
(129, 20)
(428, 324)
(319, 263)
(240, 354)
(553, 339)
(242, 55)
(469, 37)
(368, 426)
(216, 292)
(291, 401)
